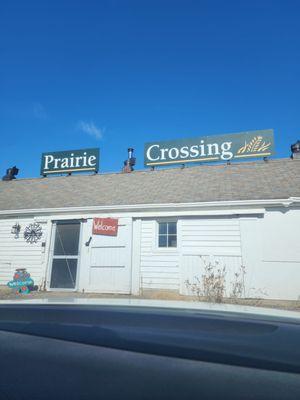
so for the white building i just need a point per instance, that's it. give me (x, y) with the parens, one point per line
(239, 214)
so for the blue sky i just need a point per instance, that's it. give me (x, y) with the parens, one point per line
(113, 74)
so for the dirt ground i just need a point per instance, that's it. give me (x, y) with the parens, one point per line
(8, 294)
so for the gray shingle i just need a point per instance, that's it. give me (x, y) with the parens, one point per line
(239, 181)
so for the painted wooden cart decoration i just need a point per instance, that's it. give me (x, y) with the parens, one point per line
(22, 282)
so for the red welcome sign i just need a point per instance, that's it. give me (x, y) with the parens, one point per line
(105, 226)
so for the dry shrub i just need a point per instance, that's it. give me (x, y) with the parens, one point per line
(238, 284)
(212, 284)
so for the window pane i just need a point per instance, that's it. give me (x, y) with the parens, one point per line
(172, 241)
(66, 239)
(162, 241)
(172, 228)
(162, 228)
(63, 274)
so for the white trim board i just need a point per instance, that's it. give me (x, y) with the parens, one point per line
(239, 204)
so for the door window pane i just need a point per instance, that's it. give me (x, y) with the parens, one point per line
(63, 273)
(66, 239)
(167, 234)
(172, 228)
(162, 241)
(162, 228)
(172, 241)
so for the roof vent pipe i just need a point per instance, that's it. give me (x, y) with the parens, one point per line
(11, 174)
(130, 162)
(295, 149)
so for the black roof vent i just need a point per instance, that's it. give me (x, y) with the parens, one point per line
(11, 174)
(295, 149)
(130, 162)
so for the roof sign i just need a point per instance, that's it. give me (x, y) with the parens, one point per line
(210, 148)
(70, 161)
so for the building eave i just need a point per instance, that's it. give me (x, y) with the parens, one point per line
(135, 208)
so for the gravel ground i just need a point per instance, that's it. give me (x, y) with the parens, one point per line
(8, 294)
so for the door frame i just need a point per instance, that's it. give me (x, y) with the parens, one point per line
(51, 256)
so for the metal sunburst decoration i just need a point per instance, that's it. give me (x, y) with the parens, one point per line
(33, 232)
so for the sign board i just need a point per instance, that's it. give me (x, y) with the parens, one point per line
(22, 282)
(210, 148)
(105, 226)
(26, 282)
(70, 161)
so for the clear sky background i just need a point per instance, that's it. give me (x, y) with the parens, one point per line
(119, 73)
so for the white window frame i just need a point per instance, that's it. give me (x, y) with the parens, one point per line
(165, 249)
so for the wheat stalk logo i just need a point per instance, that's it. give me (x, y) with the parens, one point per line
(255, 145)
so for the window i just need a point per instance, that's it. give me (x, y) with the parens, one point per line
(167, 234)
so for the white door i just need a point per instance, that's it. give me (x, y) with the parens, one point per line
(110, 261)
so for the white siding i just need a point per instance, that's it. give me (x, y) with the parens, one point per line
(267, 245)
(159, 267)
(205, 240)
(211, 236)
(271, 254)
(17, 253)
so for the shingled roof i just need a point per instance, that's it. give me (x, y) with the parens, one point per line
(275, 179)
